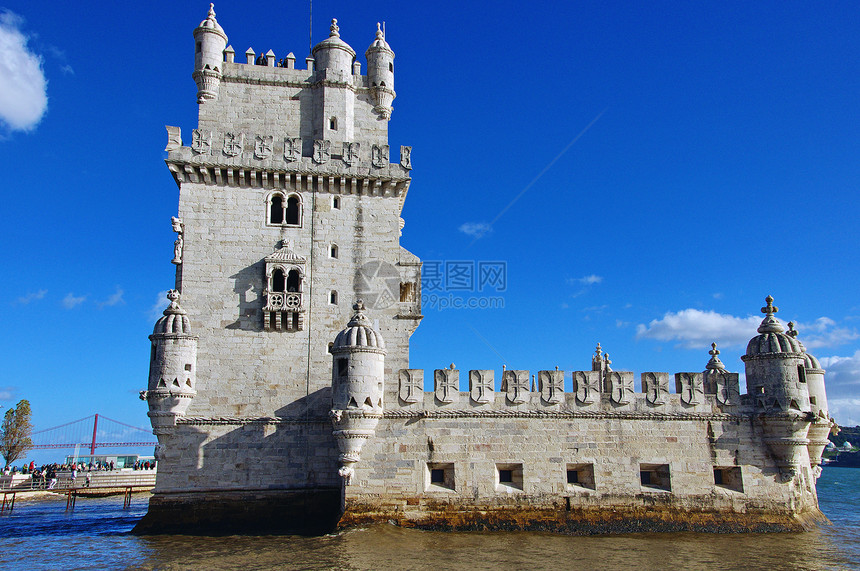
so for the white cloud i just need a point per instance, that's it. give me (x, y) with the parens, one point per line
(694, 329)
(32, 296)
(23, 97)
(824, 333)
(475, 229)
(70, 301)
(7, 393)
(586, 280)
(114, 299)
(157, 309)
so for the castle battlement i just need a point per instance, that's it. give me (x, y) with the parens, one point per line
(280, 406)
(706, 392)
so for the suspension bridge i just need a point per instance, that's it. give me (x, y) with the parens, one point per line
(92, 432)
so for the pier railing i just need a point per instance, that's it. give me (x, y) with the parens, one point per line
(114, 479)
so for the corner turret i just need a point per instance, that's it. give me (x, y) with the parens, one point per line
(380, 74)
(819, 430)
(172, 367)
(776, 383)
(358, 373)
(209, 44)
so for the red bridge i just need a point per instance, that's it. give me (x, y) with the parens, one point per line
(94, 431)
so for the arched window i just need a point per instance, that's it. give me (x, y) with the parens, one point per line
(293, 211)
(278, 281)
(284, 210)
(332, 123)
(332, 297)
(333, 251)
(335, 202)
(276, 209)
(294, 281)
(390, 66)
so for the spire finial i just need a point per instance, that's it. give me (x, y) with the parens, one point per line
(770, 308)
(380, 35)
(715, 362)
(598, 351)
(335, 31)
(359, 305)
(212, 9)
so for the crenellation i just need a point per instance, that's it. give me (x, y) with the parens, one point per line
(288, 228)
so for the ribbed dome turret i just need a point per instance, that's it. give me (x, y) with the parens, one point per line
(379, 42)
(359, 333)
(333, 53)
(175, 320)
(210, 23)
(772, 338)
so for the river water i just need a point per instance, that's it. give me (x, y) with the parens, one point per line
(39, 534)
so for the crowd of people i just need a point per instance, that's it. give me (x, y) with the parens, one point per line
(46, 476)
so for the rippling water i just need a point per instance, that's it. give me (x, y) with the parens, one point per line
(39, 534)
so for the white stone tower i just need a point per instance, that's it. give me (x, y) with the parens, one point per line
(358, 374)
(380, 73)
(777, 385)
(172, 366)
(209, 43)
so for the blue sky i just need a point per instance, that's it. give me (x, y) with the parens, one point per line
(647, 173)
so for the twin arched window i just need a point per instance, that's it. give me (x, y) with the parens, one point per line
(284, 210)
(291, 282)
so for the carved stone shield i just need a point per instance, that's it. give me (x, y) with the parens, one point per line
(551, 385)
(201, 141)
(446, 385)
(656, 387)
(620, 386)
(350, 153)
(516, 386)
(481, 389)
(233, 143)
(292, 149)
(406, 157)
(322, 151)
(411, 385)
(379, 155)
(586, 386)
(690, 387)
(263, 146)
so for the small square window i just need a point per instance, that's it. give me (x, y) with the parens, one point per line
(509, 477)
(439, 477)
(655, 477)
(580, 476)
(729, 478)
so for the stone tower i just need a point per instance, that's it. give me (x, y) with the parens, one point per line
(289, 211)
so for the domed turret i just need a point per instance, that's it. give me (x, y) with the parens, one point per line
(776, 381)
(333, 55)
(819, 430)
(358, 373)
(172, 366)
(209, 43)
(380, 73)
(775, 369)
